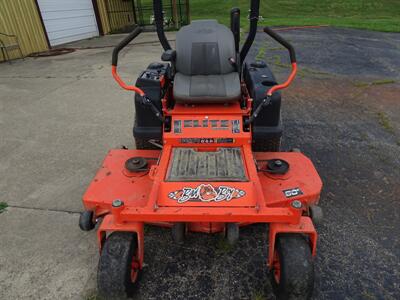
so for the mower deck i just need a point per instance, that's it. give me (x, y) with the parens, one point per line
(151, 196)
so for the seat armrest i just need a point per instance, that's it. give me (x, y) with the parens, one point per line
(169, 55)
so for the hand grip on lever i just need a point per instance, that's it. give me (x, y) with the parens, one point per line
(114, 63)
(292, 54)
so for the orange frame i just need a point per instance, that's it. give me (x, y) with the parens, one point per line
(145, 194)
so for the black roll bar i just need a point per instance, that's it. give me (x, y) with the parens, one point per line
(159, 20)
(254, 14)
(235, 26)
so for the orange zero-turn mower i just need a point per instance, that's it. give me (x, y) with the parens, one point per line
(207, 131)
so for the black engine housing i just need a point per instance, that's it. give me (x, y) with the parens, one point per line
(266, 128)
(147, 126)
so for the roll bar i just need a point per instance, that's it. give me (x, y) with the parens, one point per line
(159, 20)
(254, 15)
(235, 26)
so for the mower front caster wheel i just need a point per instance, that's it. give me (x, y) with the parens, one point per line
(316, 214)
(86, 222)
(178, 232)
(232, 233)
(292, 274)
(118, 269)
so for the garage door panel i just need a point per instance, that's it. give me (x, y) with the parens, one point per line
(72, 38)
(71, 32)
(68, 21)
(65, 4)
(66, 24)
(69, 14)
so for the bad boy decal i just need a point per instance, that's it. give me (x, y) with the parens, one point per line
(206, 193)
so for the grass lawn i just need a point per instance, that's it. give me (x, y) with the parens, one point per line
(380, 15)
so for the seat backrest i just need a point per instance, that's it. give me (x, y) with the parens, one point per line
(205, 48)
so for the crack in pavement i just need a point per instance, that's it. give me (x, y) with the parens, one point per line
(44, 209)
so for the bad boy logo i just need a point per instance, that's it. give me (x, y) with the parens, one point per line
(206, 193)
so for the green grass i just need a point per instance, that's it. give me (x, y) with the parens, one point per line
(258, 295)
(376, 82)
(382, 15)
(262, 51)
(3, 206)
(92, 297)
(223, 246)
(385, 122)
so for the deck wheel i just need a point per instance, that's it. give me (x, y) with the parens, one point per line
(86, 222)
(118, 270)
(232, 233)
(316, 214)
(292, 271)
(178, 231)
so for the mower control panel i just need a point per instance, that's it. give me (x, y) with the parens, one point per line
(155, 72)
(217, 130)
(215, 125)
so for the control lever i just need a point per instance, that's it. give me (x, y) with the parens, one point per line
(147, 102)
(266, 101)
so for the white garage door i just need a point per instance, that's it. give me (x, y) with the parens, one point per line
(68, 20)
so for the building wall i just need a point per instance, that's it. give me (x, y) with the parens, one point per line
(21, 18)
(115, 14)
(101, 4)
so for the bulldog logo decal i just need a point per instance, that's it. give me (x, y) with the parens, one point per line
(206, 193)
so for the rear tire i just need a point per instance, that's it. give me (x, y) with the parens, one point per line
(118, 269)
(292, 273)
(267, 145)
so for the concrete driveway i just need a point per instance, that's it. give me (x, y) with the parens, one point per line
(60, 115)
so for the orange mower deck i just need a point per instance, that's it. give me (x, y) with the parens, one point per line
(146, 196)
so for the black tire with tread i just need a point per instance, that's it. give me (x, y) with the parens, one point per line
(297, 267)
(114, 270)
(267, 145)
(86, 222)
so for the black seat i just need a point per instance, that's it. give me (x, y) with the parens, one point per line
(204, 70)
